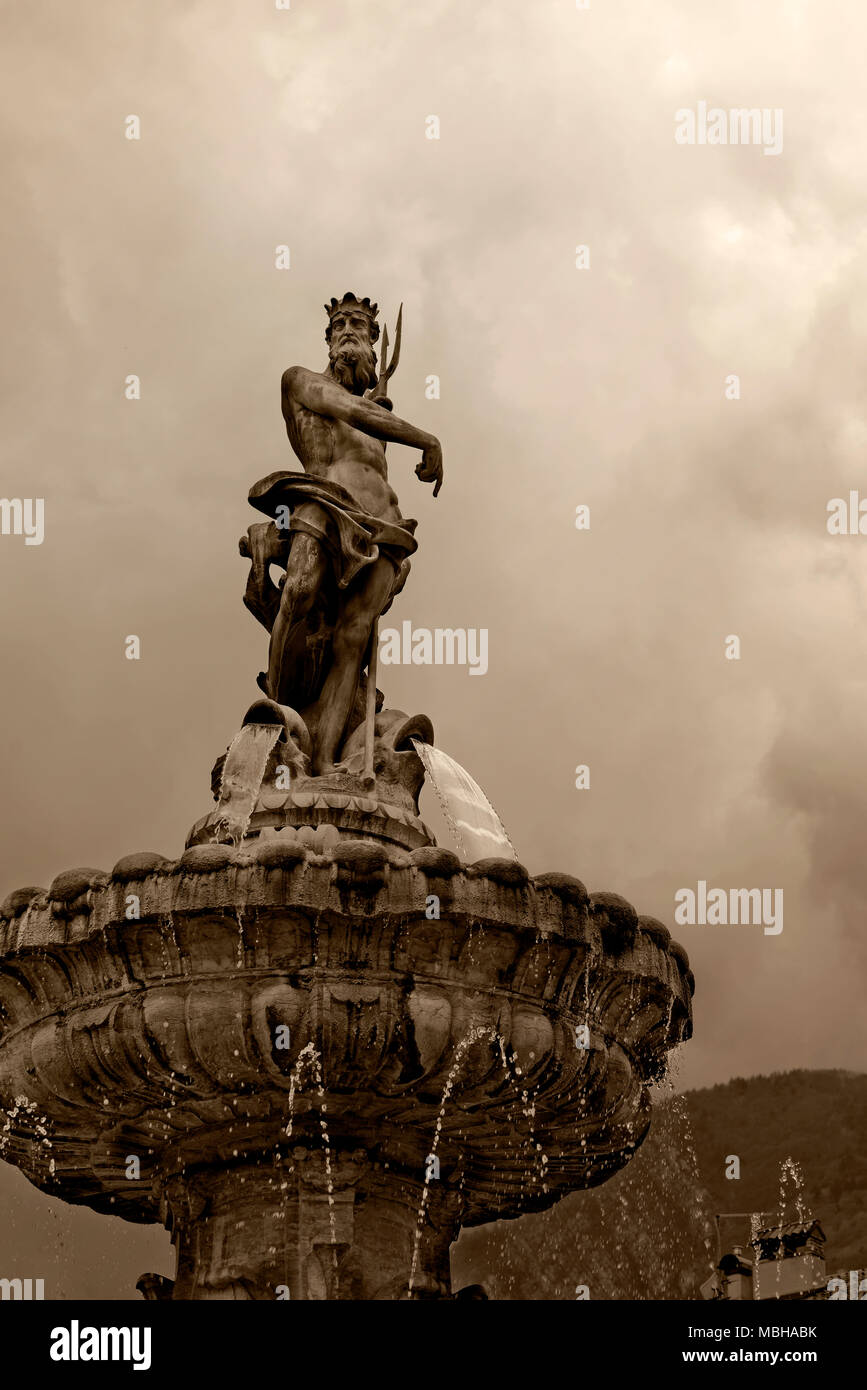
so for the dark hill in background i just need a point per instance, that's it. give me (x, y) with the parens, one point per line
(649, 1232)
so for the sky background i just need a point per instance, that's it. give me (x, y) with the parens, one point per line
(559, 387)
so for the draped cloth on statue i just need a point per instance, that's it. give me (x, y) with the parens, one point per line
(325, 510)
(353, 541)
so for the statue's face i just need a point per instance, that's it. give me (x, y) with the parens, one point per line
(350, 351)
(349, 328)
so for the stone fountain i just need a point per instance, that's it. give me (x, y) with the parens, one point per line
(317, 1044)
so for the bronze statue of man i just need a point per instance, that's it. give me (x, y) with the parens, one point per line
(337, 529)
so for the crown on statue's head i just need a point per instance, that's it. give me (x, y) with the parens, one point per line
(350, 303)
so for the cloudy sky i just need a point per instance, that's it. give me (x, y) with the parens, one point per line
(603, 386)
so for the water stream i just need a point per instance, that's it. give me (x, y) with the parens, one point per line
(241, 780)
(790, 1174)
(478, 830)
(309, 1056)
(513, 1072)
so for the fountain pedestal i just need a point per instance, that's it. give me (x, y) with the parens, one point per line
(306, 1228)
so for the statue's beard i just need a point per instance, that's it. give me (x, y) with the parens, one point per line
(353, 365)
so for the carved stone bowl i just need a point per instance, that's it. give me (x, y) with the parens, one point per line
(326, 1060)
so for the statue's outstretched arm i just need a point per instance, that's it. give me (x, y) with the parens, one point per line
(323, 397)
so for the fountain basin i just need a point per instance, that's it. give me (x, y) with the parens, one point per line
(158, 1036)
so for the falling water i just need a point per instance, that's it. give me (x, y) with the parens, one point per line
(586, 980)
(790, 1172)
(680, 1110)
(165, 925)
(240, 943)
(29, 1119)
(310, 1056)
(789, 1168)
(668, 1017)
(242, 776)
(478, 830)
(528, 1108)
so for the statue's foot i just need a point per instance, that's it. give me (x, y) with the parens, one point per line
(353, 767)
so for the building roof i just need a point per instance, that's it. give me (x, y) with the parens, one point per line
(806, 1228)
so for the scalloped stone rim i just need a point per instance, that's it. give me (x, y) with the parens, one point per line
(364, 861)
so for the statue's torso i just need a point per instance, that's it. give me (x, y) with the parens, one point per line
(329, 448)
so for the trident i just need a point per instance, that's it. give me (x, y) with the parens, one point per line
(386, 372)
(389, 367)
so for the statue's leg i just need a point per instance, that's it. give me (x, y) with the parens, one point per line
(351, 636)
(305, 573)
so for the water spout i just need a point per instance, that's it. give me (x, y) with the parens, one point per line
(478, 830)
(242, 776)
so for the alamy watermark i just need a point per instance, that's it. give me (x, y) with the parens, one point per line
(740, 125)
(856, 1290)
(76, 1343)
(439, 646)
(25, 1289)
(23, 516)
(847, 518)
(718, 907)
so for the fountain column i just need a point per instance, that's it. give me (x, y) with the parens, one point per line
(309, 1228)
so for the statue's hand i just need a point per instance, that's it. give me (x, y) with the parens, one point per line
(430, 470)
